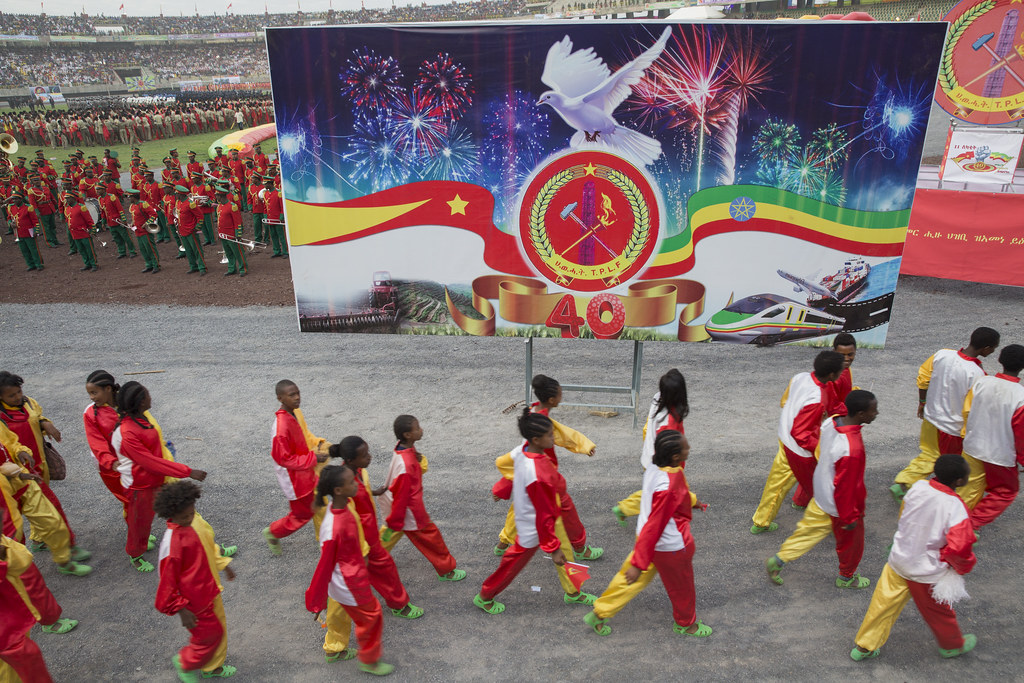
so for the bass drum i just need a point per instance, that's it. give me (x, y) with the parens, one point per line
(93, 207)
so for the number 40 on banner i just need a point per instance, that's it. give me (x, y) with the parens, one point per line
(606, 317)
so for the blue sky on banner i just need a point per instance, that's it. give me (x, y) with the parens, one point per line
(137, 8)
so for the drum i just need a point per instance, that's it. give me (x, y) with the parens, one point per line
(93, 207)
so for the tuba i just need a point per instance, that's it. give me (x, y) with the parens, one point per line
(8, 146)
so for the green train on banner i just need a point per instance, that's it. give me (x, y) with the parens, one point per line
(723, 181)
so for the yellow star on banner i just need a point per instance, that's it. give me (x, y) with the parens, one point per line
(458, 205)
(590, 168)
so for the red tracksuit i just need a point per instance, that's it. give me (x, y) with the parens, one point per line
(383, 572)
(535, 487)
(187, 582)
(342, 575)
(143, 468)
(808, 403)
(839, 489)
(408, 513)
(294, 463)
(100, 422)
(17, 650)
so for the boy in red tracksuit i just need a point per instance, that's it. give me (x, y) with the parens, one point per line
(405, 513)
(143, 468)
(933, 548)
(839, 495)
(189, 584)
(535, 483)
(809, 398)
(295, 462)
(341, 574)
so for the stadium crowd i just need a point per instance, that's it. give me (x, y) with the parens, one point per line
(27, 24)
(120, 123)
(80, 65)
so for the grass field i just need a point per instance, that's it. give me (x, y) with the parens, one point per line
(153, 152)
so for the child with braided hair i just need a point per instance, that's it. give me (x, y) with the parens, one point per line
(535, 487)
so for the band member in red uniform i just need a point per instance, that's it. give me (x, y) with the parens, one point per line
(202, 187)
(23, 217)
(80, 224)
(229, 228)
(113, 215)
(272, 199)
(142, 212)
(87, 185)
(192, 166)
(187, 215)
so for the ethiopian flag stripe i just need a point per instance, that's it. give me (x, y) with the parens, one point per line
(718, 210)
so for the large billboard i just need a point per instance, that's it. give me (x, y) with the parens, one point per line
(742, 182)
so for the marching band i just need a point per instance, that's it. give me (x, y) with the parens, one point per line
(194, 204)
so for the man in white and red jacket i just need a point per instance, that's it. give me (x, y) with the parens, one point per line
(942, 384)
(295, 465)
(931, 550)
(809, 398)
(839, 495)
(994, 438)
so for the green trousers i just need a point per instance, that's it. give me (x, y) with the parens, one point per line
(257, 227)
(122, 240)
(194, 252)
(235, 252)
(207, 226)
(30, 252)
(280, 242)
(149, 253)
(87, 251)
(49, 229)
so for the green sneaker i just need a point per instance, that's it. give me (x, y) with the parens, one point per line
(619, 517)
(453, 575)
(223, 671)
(580, 598)
(184, 676)
(60, 626)
(772, 526)
(856, 581)
(589, 552)
(774, 566)
(151, 542)
(499, 551)
(273, 542)
(969, 642)
(73, 568)
(857, 655)
(343, 656)
(897, 491)
(491, 606)
(37, 546)
(80, 554)
(703, 630)
(599, 625)
(141, 564)
(410, 611)
(377, 668)
(227, 550)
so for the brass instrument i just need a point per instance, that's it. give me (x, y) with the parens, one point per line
(8, 146)
(248, 244)
(201, 199)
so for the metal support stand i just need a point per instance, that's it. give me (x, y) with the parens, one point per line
(633, 391)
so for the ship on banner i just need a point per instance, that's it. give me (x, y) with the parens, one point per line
(611, 180)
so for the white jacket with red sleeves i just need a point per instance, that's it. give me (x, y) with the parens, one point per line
(935, 531)
(800, 421)
(664, 521)
(994, 430)
(535, 485)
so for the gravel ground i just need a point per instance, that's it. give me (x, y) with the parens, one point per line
(215, 401)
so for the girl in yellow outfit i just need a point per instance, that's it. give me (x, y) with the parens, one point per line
(549, 396)
(24, 498)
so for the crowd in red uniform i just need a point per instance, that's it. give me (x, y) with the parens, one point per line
(191, 203)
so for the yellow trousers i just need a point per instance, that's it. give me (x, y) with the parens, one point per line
(508, 533)
(618, 593)
(780, 481)
(630, 505)
(318, 518)
(888, 600)
(46, 523)
(814, 526)
(339, 628)
(921, 467)
(974, 489)
(221, 653)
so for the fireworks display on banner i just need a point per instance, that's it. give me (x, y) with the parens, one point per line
(719, 181)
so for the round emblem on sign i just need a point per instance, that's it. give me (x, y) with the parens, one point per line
(589, 221)
(742, 209)
(981, 76)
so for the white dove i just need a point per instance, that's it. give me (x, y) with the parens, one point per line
(585, 94)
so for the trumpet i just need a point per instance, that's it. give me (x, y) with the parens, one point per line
(248, 244)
